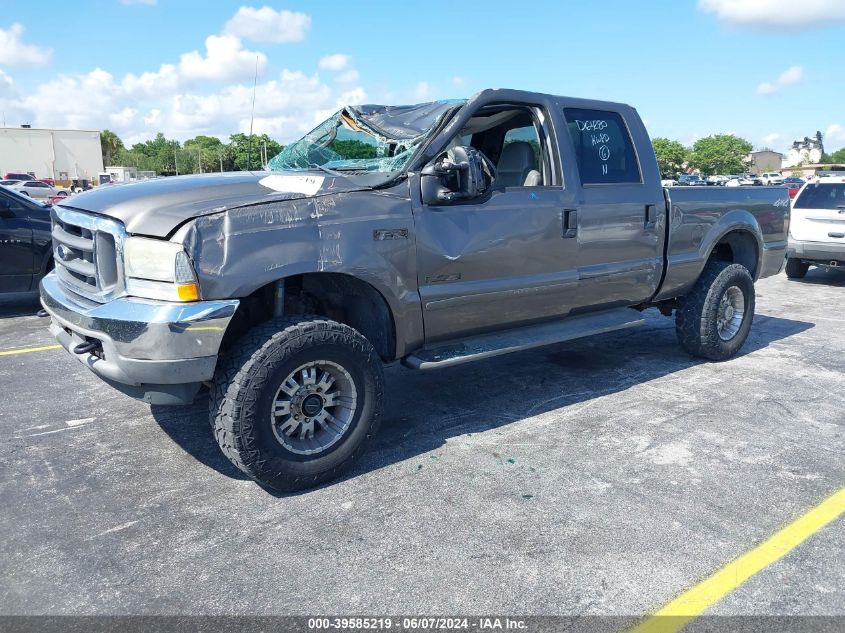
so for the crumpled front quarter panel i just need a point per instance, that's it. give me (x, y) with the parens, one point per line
(366, 234)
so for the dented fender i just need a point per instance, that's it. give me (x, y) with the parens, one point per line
(368, 235)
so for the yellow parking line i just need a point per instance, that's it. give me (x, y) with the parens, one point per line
(675, 615)
(27, 350)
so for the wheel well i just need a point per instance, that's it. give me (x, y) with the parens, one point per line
(336, 296)
(737, 247)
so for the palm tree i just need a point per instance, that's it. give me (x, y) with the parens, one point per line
(111, 145)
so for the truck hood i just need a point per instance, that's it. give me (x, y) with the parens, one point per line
(157, 207)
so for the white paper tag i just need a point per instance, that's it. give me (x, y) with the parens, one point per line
(308, 185)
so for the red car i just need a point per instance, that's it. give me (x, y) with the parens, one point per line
(12, 175)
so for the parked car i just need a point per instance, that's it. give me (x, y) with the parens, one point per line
(817, 227)
(278, 292)
(37, 189)
(18, 176)
(794, 183)
(750, 180)
(717, 180)
(25, 243)
(691, 180)
(771, 178)
(732, 181)
(668, 182)
(9, 183)
(59, 197)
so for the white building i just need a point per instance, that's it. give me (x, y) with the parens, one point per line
(806, 151)
(63, 155)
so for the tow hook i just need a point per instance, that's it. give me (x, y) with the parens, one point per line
(42, 313)
(86, 348)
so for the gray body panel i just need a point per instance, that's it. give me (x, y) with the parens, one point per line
(157, 207)
(447, 272)
(700, 217)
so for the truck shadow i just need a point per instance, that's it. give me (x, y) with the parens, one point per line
(833, 277)
(424, 409)
(17, 307)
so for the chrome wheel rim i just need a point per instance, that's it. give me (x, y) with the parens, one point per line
(314, 407)
(730, 313)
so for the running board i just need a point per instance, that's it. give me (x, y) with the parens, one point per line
(497, 343)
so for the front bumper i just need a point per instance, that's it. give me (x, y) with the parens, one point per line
(156, 351)
(820, 252)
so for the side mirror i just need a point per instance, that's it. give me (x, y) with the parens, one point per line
(459, 174)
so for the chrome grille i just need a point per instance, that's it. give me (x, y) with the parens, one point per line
(88, 253)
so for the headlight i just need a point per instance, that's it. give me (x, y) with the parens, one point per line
(157, 269)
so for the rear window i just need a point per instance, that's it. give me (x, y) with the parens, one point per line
(821, 196)
(603, 147)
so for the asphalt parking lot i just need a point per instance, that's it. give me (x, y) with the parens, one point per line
(598, 477)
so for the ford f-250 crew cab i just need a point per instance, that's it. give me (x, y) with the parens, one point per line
(433, 234)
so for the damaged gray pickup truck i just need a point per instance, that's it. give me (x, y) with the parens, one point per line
(433, 234)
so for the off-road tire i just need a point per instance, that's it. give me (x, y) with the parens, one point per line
(796, 269)
(247, 380)
(696, 315)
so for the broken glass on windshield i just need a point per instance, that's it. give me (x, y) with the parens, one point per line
(363, 139)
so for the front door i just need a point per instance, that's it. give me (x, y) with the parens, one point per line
(503, 260)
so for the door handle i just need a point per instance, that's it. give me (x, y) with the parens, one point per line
(570, 223)
(650, 216)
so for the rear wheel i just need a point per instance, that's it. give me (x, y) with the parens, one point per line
(796, 269)
(297, 401)
(713, 320)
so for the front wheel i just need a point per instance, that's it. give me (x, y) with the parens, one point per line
(713, 320)
(297, 401)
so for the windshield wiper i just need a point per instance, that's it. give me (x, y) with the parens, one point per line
(325, 169)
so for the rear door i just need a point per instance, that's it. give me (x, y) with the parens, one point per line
(17, 261)
(818, 213)
(621, 210)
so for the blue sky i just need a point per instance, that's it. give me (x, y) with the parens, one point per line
(758, 68)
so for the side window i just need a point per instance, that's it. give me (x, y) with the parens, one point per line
(524, 137)
(603, 148)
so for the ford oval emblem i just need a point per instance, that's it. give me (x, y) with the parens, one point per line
(63, 252)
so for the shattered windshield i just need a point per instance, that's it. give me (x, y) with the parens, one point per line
(363, 139)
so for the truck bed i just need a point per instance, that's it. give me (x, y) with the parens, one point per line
(699, 216)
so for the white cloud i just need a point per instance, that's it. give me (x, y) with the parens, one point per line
(770, 139)
(458, 81)
(13, 52)
(338, 61)
(149, 3)
(776, 14)
(152, 84)
(423, 91)
(7, 86)
(225, 59)
(268, 25)
(348, 77)
(834, 137)
(183, 99)
(788, 77)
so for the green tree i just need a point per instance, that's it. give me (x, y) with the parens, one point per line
(352, 149)
(671, 156)
(110, 144)
(210, 153)
(720, 154)
(239, 147)
(838, 156)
